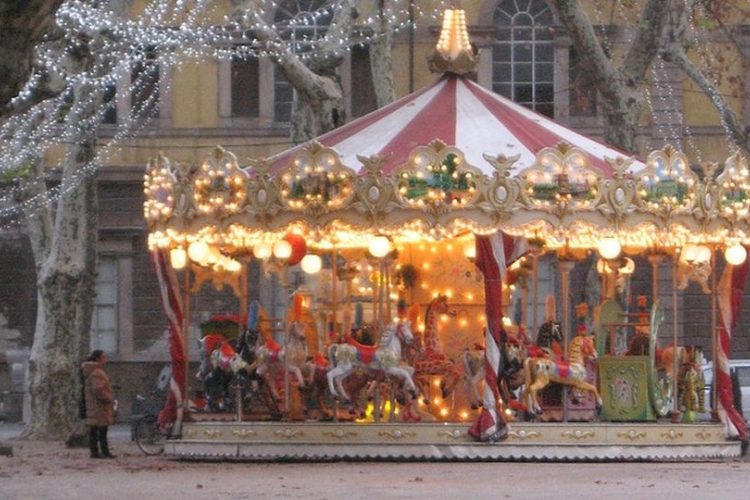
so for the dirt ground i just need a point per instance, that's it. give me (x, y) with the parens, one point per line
(49, 470)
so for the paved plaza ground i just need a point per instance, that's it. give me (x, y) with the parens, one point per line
(51, 471)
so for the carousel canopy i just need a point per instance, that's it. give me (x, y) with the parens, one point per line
(457, 112)
(449, 160)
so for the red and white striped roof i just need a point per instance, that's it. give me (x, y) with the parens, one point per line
(460, 113)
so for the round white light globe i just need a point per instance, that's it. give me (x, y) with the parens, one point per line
(311, 263)
(178, 258)
(262, 250)
(735, 255)
(380, 246)
(609, 248)
(282, 249)
(198, 251)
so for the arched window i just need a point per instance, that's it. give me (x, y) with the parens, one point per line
(523, 54)
(302, 23)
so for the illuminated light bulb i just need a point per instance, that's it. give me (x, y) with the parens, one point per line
(311, 263)
(262, 250)
(178, 258)
(282, 249)
(198, 251)
(609, 248)
(704, 254)
(379, 246)
(735, 255)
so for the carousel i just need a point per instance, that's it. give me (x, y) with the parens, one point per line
(426, 256)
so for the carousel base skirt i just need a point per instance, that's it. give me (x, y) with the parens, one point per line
(331, 441)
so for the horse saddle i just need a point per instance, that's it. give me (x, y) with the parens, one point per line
(365, 353)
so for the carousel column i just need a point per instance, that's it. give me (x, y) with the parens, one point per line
(186, 338)
(714, 341)
(565, 266)
(675, 364)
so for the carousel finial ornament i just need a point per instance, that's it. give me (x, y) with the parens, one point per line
(454, 52)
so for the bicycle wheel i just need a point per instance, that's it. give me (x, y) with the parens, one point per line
(148, 436)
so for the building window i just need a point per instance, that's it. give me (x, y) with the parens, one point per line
(110, 105)
(363, 91)
(302, 23)
(523, 54)
(104, 320)
(245, 88)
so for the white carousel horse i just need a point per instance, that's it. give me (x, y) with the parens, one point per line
(291, 356)
(385, 357)
(539, 372)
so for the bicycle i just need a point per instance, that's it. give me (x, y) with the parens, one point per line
(149, 435)
(145, 429)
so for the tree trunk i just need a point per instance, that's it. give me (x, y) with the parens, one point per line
(381, 59)
(621, 88)
(66, 279)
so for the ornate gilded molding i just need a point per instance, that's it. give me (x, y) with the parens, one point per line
(672, 434)
(579, 434)
(244, 433)
(523, 434)
(632, 434)
(397, 434)
(340, 433)
(289, 433)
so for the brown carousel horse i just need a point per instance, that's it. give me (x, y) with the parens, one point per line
(540, 371)
(429, 360)
(515, 351)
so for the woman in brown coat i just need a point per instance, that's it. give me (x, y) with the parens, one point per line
(100, 412)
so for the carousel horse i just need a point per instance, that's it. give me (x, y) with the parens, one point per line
(219, 366)
(428, 360)
(692, 390)
(514, 352)
(345, 357)
(540, 371)
(274, 359)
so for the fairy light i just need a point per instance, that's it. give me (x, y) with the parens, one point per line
(120, 40)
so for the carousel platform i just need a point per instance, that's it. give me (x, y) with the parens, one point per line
(331, 441)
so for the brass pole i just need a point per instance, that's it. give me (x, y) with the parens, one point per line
(186, 337)
(675, 400)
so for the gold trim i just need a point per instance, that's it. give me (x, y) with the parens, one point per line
(289, 433)
(454, 434)
(244, 433)
(397, 434)
(212, 433)
(579, 434)
(340, 434)
(523, 434)
(672, 434)
(632, 434)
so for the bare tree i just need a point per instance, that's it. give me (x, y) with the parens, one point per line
(660, 31)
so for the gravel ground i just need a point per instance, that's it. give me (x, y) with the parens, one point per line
(49, 470)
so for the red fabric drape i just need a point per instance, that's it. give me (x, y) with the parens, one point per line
(169, 290)
(731, 290)
(494, 254)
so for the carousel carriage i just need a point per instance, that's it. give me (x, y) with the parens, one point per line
(461, 205)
